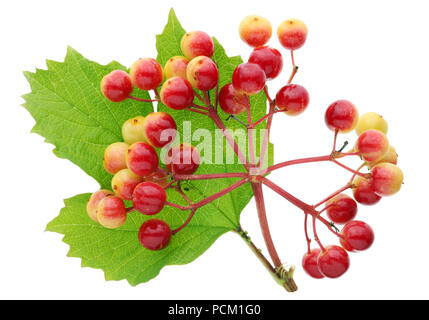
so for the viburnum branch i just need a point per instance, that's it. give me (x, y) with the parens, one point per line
(197, 111)
(144, 100)
(316, 237)
(210, 176)
(267, 129)
(264, 118)
(250, 136)
(307, 238)
(364, 175)
(347, 186)
(294, 68)
(191, 215)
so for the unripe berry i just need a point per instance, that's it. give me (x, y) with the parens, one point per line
(341, 115)
(341, 208)
(357, 235)
(142, 159)
(202, 73)
(116, 86)
(94, 200)
(386, 179)
(248, 78)
(293, 99)
(114, 157)
(255, 30)
(231, 101)
(269, 59)
(176, 67)
(309, 264)
(149, 198)
(158, 177)
(159, 129)
(182, 159)
(372, 145)
(333, 262)
(363, 193)
(197, 43)
(292, 34)
(390, 156)
(132, 130)
(111, 212)
(154, 234)
(371, 120)
(124, 182)
(146, 74)
(177, 93)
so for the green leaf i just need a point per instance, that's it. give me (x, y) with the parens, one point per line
(73, 115)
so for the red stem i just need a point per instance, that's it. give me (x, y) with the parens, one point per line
(350, 169)
(250, 136)
(307, 238)
(298, 161)
(267, 129)
(316, 237)
(210, 176)
(347, 186)
(260, 206)
(191, 215)
(143, 100)
(294, 68)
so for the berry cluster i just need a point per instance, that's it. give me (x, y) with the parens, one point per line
(138, 176)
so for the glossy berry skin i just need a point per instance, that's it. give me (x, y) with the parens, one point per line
(159, 129)
(309, 264)
(149, 198)
(371, 120)
(390, 156)
(132, 130)
(357, 236)
(372, 145)
(146, 74)
(248, 78)
(176, 67)
(363, 192)
(293, 99)
(341, 115)
(111, 212)
(94, 200)
(386, 179)
(154, 234)
(158, 177)
(114, 157)
(292, 34)
(116, 86)
(341, 209)
(231, 101)
(255, 30)
(333, 262)
(197, 43)
(177, 93)
(269, 59)
(182, 159)
(202, 73)
(142, 159)
(124, 183)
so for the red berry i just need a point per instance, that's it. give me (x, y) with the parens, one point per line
(182, 159)
(390, 156)
(309, 264)
(124, 183)
(386, 179)
(142, 159)
(333, 262)
(248, 78)
(255, 30)
(342, 115)
(269, 59)
(154, 234)
(111, 212)
(93, 202)
(372, 145)
(341, 209)
(176, 67)
(293, 99)
(197, 43)
(363, 193)
(114, 157)
(357, 236)
(159, 129)
(231, 101)
(116, 86)
(292, 34)
(146, 74)
(177, 93)
(202, 73)
(149, 198)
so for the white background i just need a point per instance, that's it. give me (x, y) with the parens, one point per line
(373, 53)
